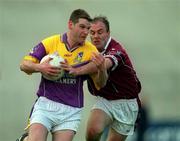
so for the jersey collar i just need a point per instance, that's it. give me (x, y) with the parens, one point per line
(107, 44)
(65, 41)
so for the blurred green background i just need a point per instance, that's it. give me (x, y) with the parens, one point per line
(149, 30)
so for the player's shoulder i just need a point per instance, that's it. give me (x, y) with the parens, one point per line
(89, 44)
(116, 45)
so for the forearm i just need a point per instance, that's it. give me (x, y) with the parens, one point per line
(101, 78)
(29, 67)
(89, 68)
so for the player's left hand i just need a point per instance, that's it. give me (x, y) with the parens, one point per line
(99, 60)
(65, 66)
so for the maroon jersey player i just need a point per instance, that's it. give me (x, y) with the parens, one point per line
(117, 102)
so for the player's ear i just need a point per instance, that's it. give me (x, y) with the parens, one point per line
(108, 33)
(70, 24)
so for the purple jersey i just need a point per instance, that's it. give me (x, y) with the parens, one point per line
(68, 89)
(122, 82)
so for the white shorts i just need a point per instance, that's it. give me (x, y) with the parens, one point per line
(123, 113)
(55, 116)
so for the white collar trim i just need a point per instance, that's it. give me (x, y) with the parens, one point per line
(109, 40)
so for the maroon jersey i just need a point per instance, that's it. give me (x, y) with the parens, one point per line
(122, 82)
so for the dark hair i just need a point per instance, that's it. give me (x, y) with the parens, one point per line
(102, 19)
(79, 13)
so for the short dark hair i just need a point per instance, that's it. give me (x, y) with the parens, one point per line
(79, 13)
(102, 19)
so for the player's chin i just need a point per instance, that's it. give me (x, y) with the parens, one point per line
(82, 39)
(97, 44)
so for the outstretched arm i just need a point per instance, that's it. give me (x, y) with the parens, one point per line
(97, 67)
(101, 76)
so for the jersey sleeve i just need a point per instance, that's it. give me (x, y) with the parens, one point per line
(36, 53)
(116, 56)
(41, 49)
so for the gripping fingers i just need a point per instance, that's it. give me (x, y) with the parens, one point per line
(54, 71)
(99, 60)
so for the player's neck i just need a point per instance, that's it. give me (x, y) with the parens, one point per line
(71, 41)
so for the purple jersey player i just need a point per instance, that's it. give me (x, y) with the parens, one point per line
(59, 104)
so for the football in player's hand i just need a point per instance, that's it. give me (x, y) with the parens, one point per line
(55, 61)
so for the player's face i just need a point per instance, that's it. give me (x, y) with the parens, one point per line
(80, 30)
(99, 35)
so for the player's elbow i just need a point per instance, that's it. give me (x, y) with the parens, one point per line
(23, 67)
